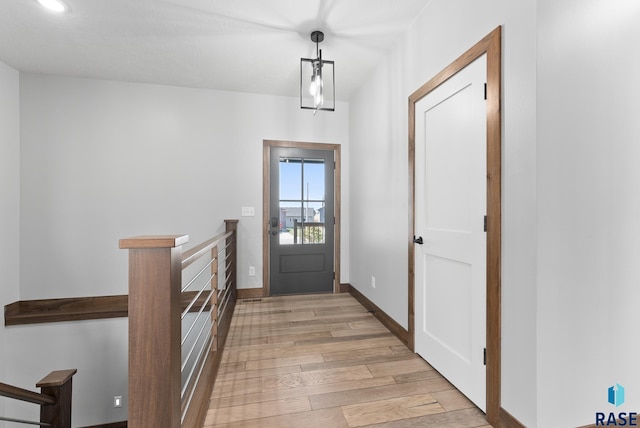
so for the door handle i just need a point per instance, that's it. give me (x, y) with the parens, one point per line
(274, 223)
(418, 240)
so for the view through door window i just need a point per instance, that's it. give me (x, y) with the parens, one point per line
(302, 201)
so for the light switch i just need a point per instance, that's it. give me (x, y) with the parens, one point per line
(248, 211)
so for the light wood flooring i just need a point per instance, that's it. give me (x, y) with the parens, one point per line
(324, 361)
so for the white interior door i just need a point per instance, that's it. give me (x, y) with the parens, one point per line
(450, 265)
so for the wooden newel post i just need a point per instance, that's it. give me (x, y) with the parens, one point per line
(57, 384)
(155, 277)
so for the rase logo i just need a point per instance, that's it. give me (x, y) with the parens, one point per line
(615, 396)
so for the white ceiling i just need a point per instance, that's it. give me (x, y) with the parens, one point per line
(237, 45)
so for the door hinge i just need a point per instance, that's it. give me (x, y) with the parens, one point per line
(334, 275)
(485, 91)
(485, 356)
(485, 223)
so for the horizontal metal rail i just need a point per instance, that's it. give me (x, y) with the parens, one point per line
(223, 305)
(195, 343)
(198, 251)
(196, 276)
(22, 421)
(197, 296)
(197, 366)
(184, 340)
(195, 382)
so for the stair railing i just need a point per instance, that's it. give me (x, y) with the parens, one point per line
(174, 353)
(54, 399)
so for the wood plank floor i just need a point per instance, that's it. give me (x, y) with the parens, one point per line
(324, 361)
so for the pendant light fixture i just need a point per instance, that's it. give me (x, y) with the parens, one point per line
(317, 77)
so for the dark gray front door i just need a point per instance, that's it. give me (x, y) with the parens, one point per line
(301, 221)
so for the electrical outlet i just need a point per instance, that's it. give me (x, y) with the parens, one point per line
(117, 401)
(373, 281)
(252, 271)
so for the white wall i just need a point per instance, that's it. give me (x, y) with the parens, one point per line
(104, 160)
(379, 184)
(589, 207)
(9, 200)
(97, 348)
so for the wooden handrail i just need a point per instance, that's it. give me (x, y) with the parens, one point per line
(25, 395)
(54, 399)
(155, 282)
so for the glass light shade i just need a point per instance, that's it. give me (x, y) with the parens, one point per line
(313, 86)
(53, 5)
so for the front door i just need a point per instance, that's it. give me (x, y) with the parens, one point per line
(450, 253)
(301, 220)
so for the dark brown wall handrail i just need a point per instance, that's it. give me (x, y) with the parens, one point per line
(72, 309)
(65, 309)
(25, 395)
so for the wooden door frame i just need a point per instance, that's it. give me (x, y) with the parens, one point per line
(490, 45)
(266, 195)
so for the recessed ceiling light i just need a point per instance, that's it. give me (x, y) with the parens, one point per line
(53, 5)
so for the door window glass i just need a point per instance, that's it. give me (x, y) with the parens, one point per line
(302, 201)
